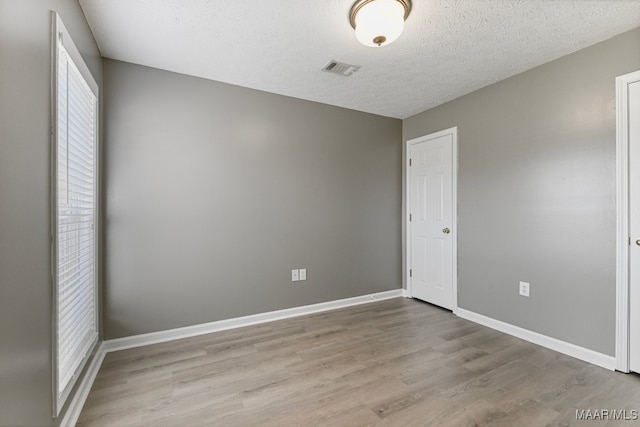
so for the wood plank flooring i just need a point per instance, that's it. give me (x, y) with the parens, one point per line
(398, 362)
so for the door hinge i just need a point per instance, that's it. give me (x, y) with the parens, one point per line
(410, 273)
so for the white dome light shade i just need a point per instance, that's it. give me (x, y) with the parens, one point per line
(379, 22)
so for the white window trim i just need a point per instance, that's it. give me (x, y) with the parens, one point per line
(59, 34)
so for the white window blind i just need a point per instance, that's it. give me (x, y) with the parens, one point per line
(75, 216)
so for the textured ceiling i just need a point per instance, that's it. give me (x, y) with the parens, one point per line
(449, 47)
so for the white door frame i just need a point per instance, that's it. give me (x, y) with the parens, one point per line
(622, 223)
(454, 209)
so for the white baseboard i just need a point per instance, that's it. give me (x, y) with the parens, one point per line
(75, 407)
(238, 322)
(599, 359)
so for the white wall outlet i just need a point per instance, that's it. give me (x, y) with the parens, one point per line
(524, 289)
(303, 274)
(295, 276)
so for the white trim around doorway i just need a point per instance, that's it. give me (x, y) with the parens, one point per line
(454, 209)
(622, 219)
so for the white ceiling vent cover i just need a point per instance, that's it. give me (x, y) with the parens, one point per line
(340, 68)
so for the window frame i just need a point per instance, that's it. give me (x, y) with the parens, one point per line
(60, 35)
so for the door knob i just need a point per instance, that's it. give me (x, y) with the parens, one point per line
(638, 242)
(447, 231)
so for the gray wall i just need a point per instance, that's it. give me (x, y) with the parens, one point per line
(215, 192)
(25, 284)
(536, 195)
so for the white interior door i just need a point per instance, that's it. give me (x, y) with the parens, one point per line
(634, 226)
(432, 231)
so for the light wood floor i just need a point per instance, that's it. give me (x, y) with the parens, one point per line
(392, 363)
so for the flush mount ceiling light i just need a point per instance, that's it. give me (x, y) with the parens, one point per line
(379, 22)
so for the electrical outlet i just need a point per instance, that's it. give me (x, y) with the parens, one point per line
(295, 276)
(302, 274)
(524, 289)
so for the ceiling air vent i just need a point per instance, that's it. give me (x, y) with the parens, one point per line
(340, 68)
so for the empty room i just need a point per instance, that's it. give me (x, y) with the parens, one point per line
(331, 213)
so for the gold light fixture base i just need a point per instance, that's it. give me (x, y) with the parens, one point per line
(360, 3)
(379, 40)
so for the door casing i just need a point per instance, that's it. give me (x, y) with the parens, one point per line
(622, 221)
(454, 212)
